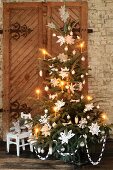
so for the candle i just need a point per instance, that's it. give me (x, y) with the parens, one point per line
(62, 83)
(38, 93)
(89, 98)
(81, 46)
(36, 132)
(55, 110)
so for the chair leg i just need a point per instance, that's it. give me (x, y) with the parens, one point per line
(8, 143)
(23, 144)
(31, 148)
(18, 146)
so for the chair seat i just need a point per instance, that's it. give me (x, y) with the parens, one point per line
(18, 135)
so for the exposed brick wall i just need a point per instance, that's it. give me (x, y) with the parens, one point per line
(100, 52)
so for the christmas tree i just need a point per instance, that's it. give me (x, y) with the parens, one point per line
(70, 120)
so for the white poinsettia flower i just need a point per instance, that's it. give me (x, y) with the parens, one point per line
(88, 107)
(94, 129)
(54, 82)
(69, 39)
(61, 40)
(46, 130)
(51, 25)
(64, 72)
(65, 136)
(62, 57)
(82, 123)
(44, 119)
(63, 13)
(59, 104)
(72, 88)
(52, 96)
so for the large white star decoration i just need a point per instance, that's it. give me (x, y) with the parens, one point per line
(94, 129)
(44, 119)
(61, 40)
(59, 104)
(63, 13)
(88, 107)
(65, 136)
(64, 72)
(62, 57)
(46, 130)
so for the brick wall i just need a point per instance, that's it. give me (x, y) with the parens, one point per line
(100, 52)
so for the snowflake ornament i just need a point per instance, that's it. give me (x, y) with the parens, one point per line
(69, 39)
(54, 82)
(61, 40)
(65, 136)
(94, 129)
(64, 72)
(44, 119)
(46, 130)
(88, 107)
(62, 57)
(82, 123)
(59, 104)
(63, 13)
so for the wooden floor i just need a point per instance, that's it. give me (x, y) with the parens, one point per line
(28, 160)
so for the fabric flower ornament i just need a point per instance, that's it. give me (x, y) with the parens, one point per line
(65, 136)
(88, 107)
(63, 13)
(51, 25)
(62, 57)
(61, 40)
(54, 82)
(69, 39)
(82, 123)
(94, 129)
(44, 119)
(46, 130)
(64, 72)
(59, 104)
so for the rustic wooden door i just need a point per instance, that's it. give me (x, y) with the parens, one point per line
(25, 32)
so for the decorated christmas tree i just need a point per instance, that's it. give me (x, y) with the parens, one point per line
(70, 119)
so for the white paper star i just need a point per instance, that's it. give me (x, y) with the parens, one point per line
(62, 57)
(64, 72)
(69, 39)
(88, 107)
(44, 119)
(94, 129)
(59, 104)
(63, 13)
(61, 40)
(65, 136)
(46, 130)
(54, 82)
(82, 123)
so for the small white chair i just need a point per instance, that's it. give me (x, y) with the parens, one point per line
(19, 138)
